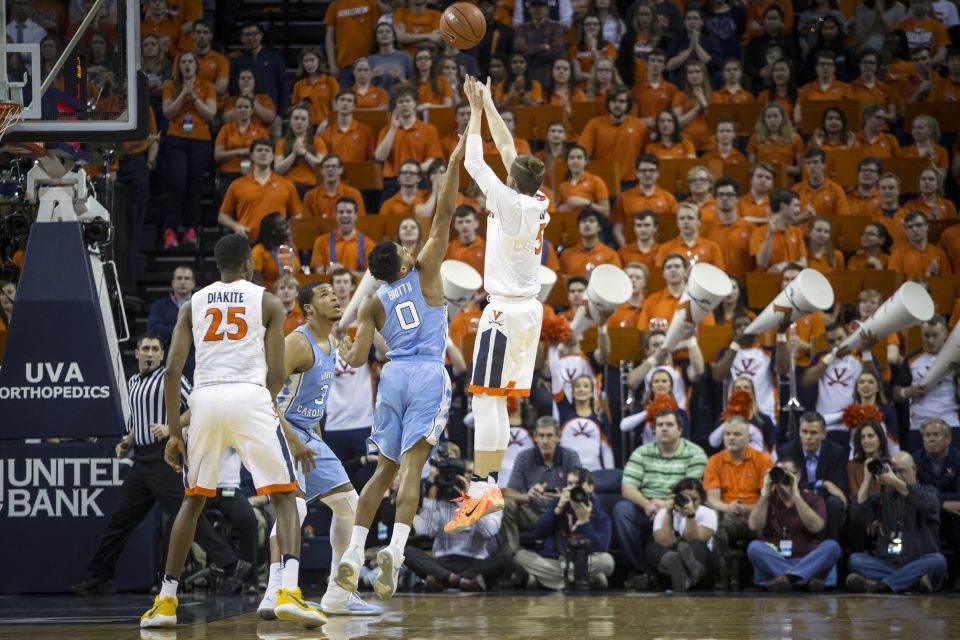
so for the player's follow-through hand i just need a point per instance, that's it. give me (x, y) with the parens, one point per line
(474, 92)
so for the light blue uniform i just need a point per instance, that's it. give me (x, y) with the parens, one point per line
(413, 399)
(303, 400)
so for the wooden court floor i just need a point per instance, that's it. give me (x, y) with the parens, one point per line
(522, 616)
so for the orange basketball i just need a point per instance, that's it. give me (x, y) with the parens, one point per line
(463, 25)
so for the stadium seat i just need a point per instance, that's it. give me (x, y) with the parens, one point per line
(713, 340)
(945, 113)
(366, 176)
(673, 174)
(943, 290)
(846, 285)
(886, 282)
(304, 278)
(376, 120)
(812, 113)
(583, 112)
(846, 231)
(625, 344)
(745, 115)
(558, 295)
(372, 226)
(443, 118)
(762, 288)
(909, 170)
(607, 488)
(842, 166)
(303, 231)
(937, 227)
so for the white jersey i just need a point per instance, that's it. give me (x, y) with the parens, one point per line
(519, 440)
(940, 401)
(228, 334)
(755, 363)
(835, 388)
(514, 230)
(350, 403)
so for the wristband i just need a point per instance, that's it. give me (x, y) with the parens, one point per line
(829, 358)
(781, 337)
(734, 346)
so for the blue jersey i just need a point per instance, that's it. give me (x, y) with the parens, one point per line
(413, 330)
(304, 395)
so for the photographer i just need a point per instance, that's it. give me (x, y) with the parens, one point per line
(683, 537)
(576, 535)
(460, 560)
(790, 551)
(907, 524)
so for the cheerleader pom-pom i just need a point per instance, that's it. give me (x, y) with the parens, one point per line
(855, 414)
(739, 404)
(658, 404)
(556, 330)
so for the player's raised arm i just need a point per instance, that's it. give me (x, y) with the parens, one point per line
(433, 252)
(502, 137)
(355, 353)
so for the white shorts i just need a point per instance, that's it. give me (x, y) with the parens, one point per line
(506, 349)
(239, 416)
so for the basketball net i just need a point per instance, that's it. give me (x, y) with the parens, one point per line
(10, 114)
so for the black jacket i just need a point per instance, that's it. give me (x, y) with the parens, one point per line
(915, 516)
(831, 466)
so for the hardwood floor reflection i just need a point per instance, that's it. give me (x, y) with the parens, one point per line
(523, 616)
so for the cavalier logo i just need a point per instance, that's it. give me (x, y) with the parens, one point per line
(496, 319)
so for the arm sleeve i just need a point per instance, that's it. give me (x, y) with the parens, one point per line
(501, 199)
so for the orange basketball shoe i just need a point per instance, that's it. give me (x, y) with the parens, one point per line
(472, 509)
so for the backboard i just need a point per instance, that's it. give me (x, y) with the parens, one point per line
(78, 85)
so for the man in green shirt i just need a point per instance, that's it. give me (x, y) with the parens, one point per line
(650, 473)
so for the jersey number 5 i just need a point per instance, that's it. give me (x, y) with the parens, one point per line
(539, 248)
(234, 319)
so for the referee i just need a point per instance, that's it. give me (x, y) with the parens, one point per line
(150, 479)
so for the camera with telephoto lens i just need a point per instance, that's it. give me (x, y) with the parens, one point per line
(577, 558)
(877, 467)
(449, 471)
(779, 475)
(579, 494)
(680, 500)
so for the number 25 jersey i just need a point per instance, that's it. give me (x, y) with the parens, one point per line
(228, 334)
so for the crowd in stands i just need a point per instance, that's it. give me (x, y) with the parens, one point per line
(833, 150)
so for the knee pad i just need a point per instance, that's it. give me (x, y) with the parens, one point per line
(343, 504)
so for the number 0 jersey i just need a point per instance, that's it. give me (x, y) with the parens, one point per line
(303, 398)
(413, 329)
(228, 334)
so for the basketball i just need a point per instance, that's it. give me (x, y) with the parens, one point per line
(463, 25)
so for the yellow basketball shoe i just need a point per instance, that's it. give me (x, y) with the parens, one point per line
(292, 606)
(162, 614)
(472, 509)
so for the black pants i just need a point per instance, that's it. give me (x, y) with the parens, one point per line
(186, 161)
(150, 480)
(237, 510)
(491, 567)
(655, 551)
(836, 518)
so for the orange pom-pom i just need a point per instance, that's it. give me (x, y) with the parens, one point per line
(556, 330)
(658, 404)
(855, 414)
(739, 404)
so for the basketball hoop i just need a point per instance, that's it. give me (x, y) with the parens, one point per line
(10, 114)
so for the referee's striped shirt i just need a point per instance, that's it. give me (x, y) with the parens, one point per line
(146, 403)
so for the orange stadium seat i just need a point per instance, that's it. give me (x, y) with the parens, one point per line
(588, 343)
(937, 227)
(845, 232)
(306, 278)
(944, 113)
(712, 340)
(745, 115)
(376, 120)
(366, 176)
(443, 118)
(673, 173)
(583, 112)
(625, 344)
(812, 112)
(846, 285)
(943, 290)
(536, 120)
(558, 295)
(909, 170)
(303, 231)
(373, 226)
(762, 288)
(655, 282)
(886, 282)
(741, 173)
(842, 166)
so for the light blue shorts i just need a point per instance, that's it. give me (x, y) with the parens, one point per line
(413, 403)
(329, 472)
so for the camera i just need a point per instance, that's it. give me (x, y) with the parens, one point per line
(449, 470)
(680, 500)
(877, 467)
(779, 475)
(579, 494)
(578, 559)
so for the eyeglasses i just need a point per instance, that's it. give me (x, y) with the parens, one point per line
(332, 166)
(869, 170)
(699, 179)
(646, 170)
(726, 194)
(409, 173)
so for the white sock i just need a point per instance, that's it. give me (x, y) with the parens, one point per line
(400, 534)
(359, 537)
(477, 487)
(291, 572)
(168, 588)
(275, 577)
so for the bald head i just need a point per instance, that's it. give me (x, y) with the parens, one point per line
(904, 467)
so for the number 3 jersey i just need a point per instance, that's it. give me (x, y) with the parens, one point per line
(303, 398)
(413, 330)
(228, 334)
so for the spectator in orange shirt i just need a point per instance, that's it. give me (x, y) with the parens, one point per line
(580, 259)
(864, 199)
(349, 34)
(554, 149)
(700, 188)
(949, 89)
(873, 140)
(923, 29)
(819, 196)
(604, 78)
(433, 88)
(891, 213)
(646, 195)
(661, 305)
(561, 90)
(406, 137)
(368, 97)
(417, 25)
(722, 147)
(782, 86)
(651, 92)
(775, 142)
(520, 144)
(408, 201)
(732, 92)
(517, 89)
(643, 36)
(158, 20)
(264, 109)
(820, 252)
(643, 250)
(868, 88)
(615, 136)
(298, 153)
(833, 132)
(824, 87)
(214, 67)
(731, 231)
(667, 142)
(321, 201)
(755, 205)
(917, 259)
(271, 259)
(232, 149)
(950, 243)
(314, 87)
(581, 189)
(688, 242)
(930, 200)
(287, 289)
(257, 194)
(778, 243)
(344, 246)
(346, 136)
(410, 236)
(925, 80)
(691, 106)
(925, 131)
(590, 47)
(467, 246)
(628, 314)
(189, 104)
(757, 13)
(576, 292)
(874, 251)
